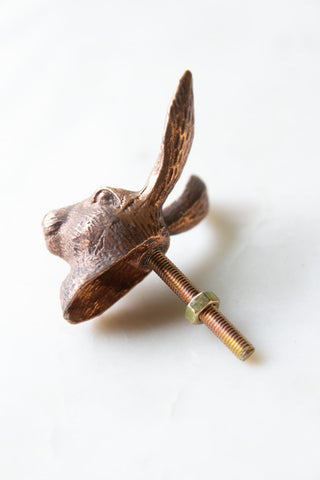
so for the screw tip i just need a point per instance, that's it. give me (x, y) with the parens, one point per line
(246, 353)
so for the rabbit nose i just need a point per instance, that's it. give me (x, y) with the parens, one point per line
(51, 223)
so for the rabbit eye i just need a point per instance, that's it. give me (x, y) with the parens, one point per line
(105, 196)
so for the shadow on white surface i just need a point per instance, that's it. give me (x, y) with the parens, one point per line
(149, 310)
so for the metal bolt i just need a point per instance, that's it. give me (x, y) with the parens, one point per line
(210, 315)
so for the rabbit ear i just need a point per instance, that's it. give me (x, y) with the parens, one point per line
(189, 209)
(176, 144)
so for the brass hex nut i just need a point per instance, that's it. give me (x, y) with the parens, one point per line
(198, 304)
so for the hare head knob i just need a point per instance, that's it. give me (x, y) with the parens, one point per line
(106, 237)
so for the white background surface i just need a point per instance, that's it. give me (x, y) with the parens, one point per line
(139, 393)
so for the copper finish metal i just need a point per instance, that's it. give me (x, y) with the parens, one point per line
(109, 238)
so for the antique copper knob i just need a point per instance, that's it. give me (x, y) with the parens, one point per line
(113, 239)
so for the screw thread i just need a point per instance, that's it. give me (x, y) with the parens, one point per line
(211, 316)
(226, 332)
(172, 276)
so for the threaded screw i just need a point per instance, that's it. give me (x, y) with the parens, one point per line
(211, 316)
